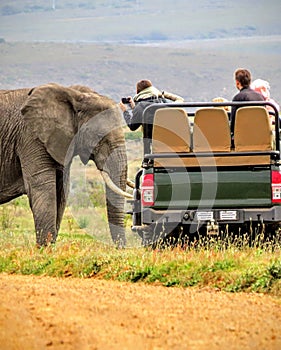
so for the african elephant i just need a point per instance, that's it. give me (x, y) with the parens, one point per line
(41, 130)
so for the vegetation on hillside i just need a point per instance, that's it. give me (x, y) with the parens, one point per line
(13, 7)
(107, 20)
(198, 72)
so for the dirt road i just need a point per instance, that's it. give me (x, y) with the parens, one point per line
(62, 314)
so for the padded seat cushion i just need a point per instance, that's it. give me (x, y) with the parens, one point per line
(171, 131)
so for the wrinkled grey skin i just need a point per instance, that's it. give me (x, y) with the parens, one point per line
(41, 130)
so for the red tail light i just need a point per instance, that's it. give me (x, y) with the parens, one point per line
(276, 186)
(147, 190)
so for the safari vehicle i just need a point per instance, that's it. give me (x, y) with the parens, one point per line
(197, 179)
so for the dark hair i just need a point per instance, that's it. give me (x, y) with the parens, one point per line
(143, 84)
(243, 76)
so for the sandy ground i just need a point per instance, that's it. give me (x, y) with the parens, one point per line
(47, 313)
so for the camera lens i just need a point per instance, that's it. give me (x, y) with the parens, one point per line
(125, 100)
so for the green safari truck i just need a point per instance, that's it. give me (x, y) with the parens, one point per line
(198, 178)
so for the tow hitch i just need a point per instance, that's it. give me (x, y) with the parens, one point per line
(212, 228)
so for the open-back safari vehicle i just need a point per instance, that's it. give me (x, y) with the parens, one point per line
(198, 179)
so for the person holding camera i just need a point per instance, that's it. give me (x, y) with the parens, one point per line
(147, 94)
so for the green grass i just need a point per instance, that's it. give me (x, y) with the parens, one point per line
(133, 135)
(77, 254)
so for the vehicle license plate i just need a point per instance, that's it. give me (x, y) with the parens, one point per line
(204, 215)
(228, 215)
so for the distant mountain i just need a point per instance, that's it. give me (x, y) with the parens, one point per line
(137, 20)
(189, 47)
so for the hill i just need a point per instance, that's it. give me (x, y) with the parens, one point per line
(197, 71)
(191, 48)
(137, 20)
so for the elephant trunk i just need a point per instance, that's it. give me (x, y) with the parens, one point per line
(116, 166)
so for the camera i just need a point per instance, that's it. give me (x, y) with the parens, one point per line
(125, 100)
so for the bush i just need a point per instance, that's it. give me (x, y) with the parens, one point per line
(9, 10)
(134, 135)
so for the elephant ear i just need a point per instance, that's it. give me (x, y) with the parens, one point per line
(49, 115)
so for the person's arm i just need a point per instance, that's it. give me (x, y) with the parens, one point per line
(237, 97)
(172, 97)
(133, 117)
(131, 120)
(232, 119)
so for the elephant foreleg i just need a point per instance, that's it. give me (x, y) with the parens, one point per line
(43, 204)
(39, 175)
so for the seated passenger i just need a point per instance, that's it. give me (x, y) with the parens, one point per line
(222, 99)
(146, 95)
(263, 87)
(242, 79)
(133, 109)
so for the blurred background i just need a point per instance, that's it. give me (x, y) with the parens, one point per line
(189, 47)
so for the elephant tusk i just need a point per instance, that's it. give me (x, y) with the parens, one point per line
(113, 187)
(130, 183)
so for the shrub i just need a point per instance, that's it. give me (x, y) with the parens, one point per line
(134, 135)
(9, 10)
